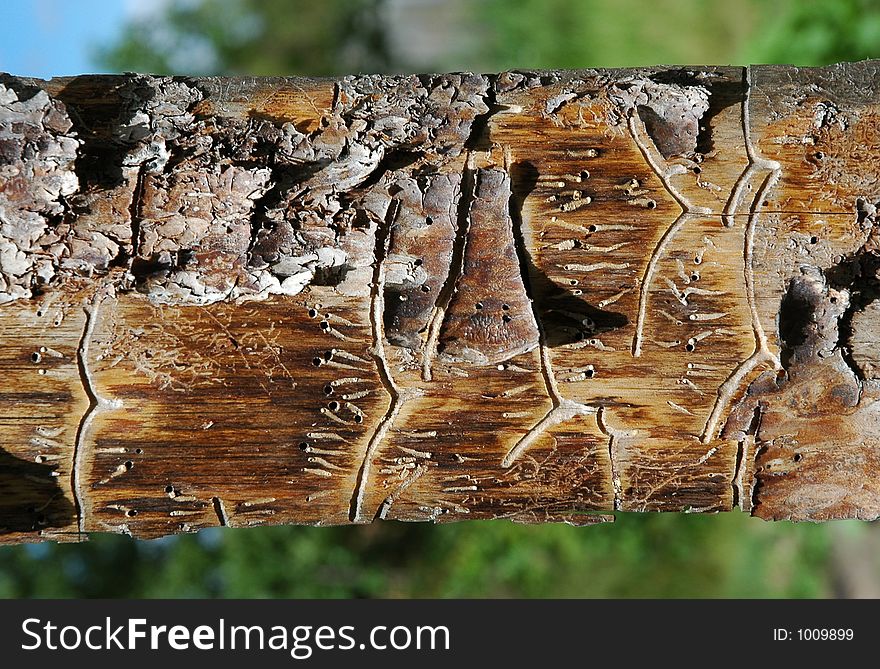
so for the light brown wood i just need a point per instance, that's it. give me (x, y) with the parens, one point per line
(541, 296)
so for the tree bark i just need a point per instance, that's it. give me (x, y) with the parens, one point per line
(540, 296)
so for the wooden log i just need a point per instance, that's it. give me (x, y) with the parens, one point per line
(540, 296)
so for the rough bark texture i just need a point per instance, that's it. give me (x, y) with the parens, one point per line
(540, 296)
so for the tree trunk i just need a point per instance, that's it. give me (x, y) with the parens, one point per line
(540, 296)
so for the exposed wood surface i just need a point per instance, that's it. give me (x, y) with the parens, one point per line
(540, 296)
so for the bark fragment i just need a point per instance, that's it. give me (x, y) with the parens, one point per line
(490, 316)
(671, 106)
(423, 234)
(815, 428)
(37, 156)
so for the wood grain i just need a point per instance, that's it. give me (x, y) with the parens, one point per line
(541, 296)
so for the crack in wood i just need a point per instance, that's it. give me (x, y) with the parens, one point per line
(135, 210)
(456, 265)
(742, 454)
(96, 403)
(220, 510)
(613, 435)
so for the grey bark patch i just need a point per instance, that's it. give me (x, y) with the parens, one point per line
(319, 218)
(149, 119)
(191, 216)
(223, 207)
(671, 111)
(160, 113)
(37, 156)
(195, 231)
(521, 80)
(193, 226)
(432, 111)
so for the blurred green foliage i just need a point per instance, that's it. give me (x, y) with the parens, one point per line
(818, 32)
(659, 555)
(623, 33)
(651, 555)
(255, 37)
(283, 37)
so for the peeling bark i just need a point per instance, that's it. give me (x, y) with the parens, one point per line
(541, 296)
(37, 154)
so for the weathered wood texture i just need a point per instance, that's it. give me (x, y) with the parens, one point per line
(539, 296)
